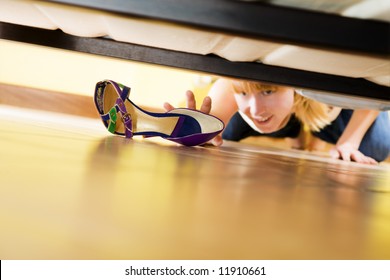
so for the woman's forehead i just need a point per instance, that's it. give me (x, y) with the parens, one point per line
(249, 87)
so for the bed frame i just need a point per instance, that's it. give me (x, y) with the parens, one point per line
(240, 18)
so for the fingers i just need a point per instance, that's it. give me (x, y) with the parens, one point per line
(206, 105)
(372, 161)
(191, 103)
(190, 99)
(351, 155)
(361, 158)
(345, 155)
(205, 108)
(168, 107)
(334, 153)
(217, 141)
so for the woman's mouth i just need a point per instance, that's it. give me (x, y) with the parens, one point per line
(262, 120)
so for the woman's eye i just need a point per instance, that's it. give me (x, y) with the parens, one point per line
(268, 92)
(243, 93)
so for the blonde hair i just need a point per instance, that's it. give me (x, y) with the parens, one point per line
(247, 86)
(313, 114)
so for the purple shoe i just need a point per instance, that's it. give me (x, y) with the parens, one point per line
(121, 116)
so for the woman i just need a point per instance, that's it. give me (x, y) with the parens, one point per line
(259, 109)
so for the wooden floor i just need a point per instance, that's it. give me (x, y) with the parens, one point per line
(69, 190)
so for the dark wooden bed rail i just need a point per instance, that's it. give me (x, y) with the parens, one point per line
(259, 20)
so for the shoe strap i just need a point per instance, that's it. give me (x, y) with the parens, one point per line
(126, 117)
(123, 92)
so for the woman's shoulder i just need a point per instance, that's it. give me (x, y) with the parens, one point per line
(333, 112)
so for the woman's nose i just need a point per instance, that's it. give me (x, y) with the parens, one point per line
(257, 105)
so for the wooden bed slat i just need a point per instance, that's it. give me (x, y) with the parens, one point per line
(209, 64)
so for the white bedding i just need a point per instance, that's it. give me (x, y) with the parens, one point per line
(91, 23)
(364, 9)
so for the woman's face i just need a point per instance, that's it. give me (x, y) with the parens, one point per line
(268, 106)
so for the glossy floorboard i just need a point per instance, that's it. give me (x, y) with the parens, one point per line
(69, 190)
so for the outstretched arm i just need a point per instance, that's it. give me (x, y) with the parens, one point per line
(347, 147)
(220, 102)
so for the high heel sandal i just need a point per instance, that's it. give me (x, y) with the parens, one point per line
(121, 116)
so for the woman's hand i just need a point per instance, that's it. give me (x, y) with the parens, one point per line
(347, 147)
(348, 152)
(205, 108)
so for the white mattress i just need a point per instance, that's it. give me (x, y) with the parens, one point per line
(364, 9)
(91, 23)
